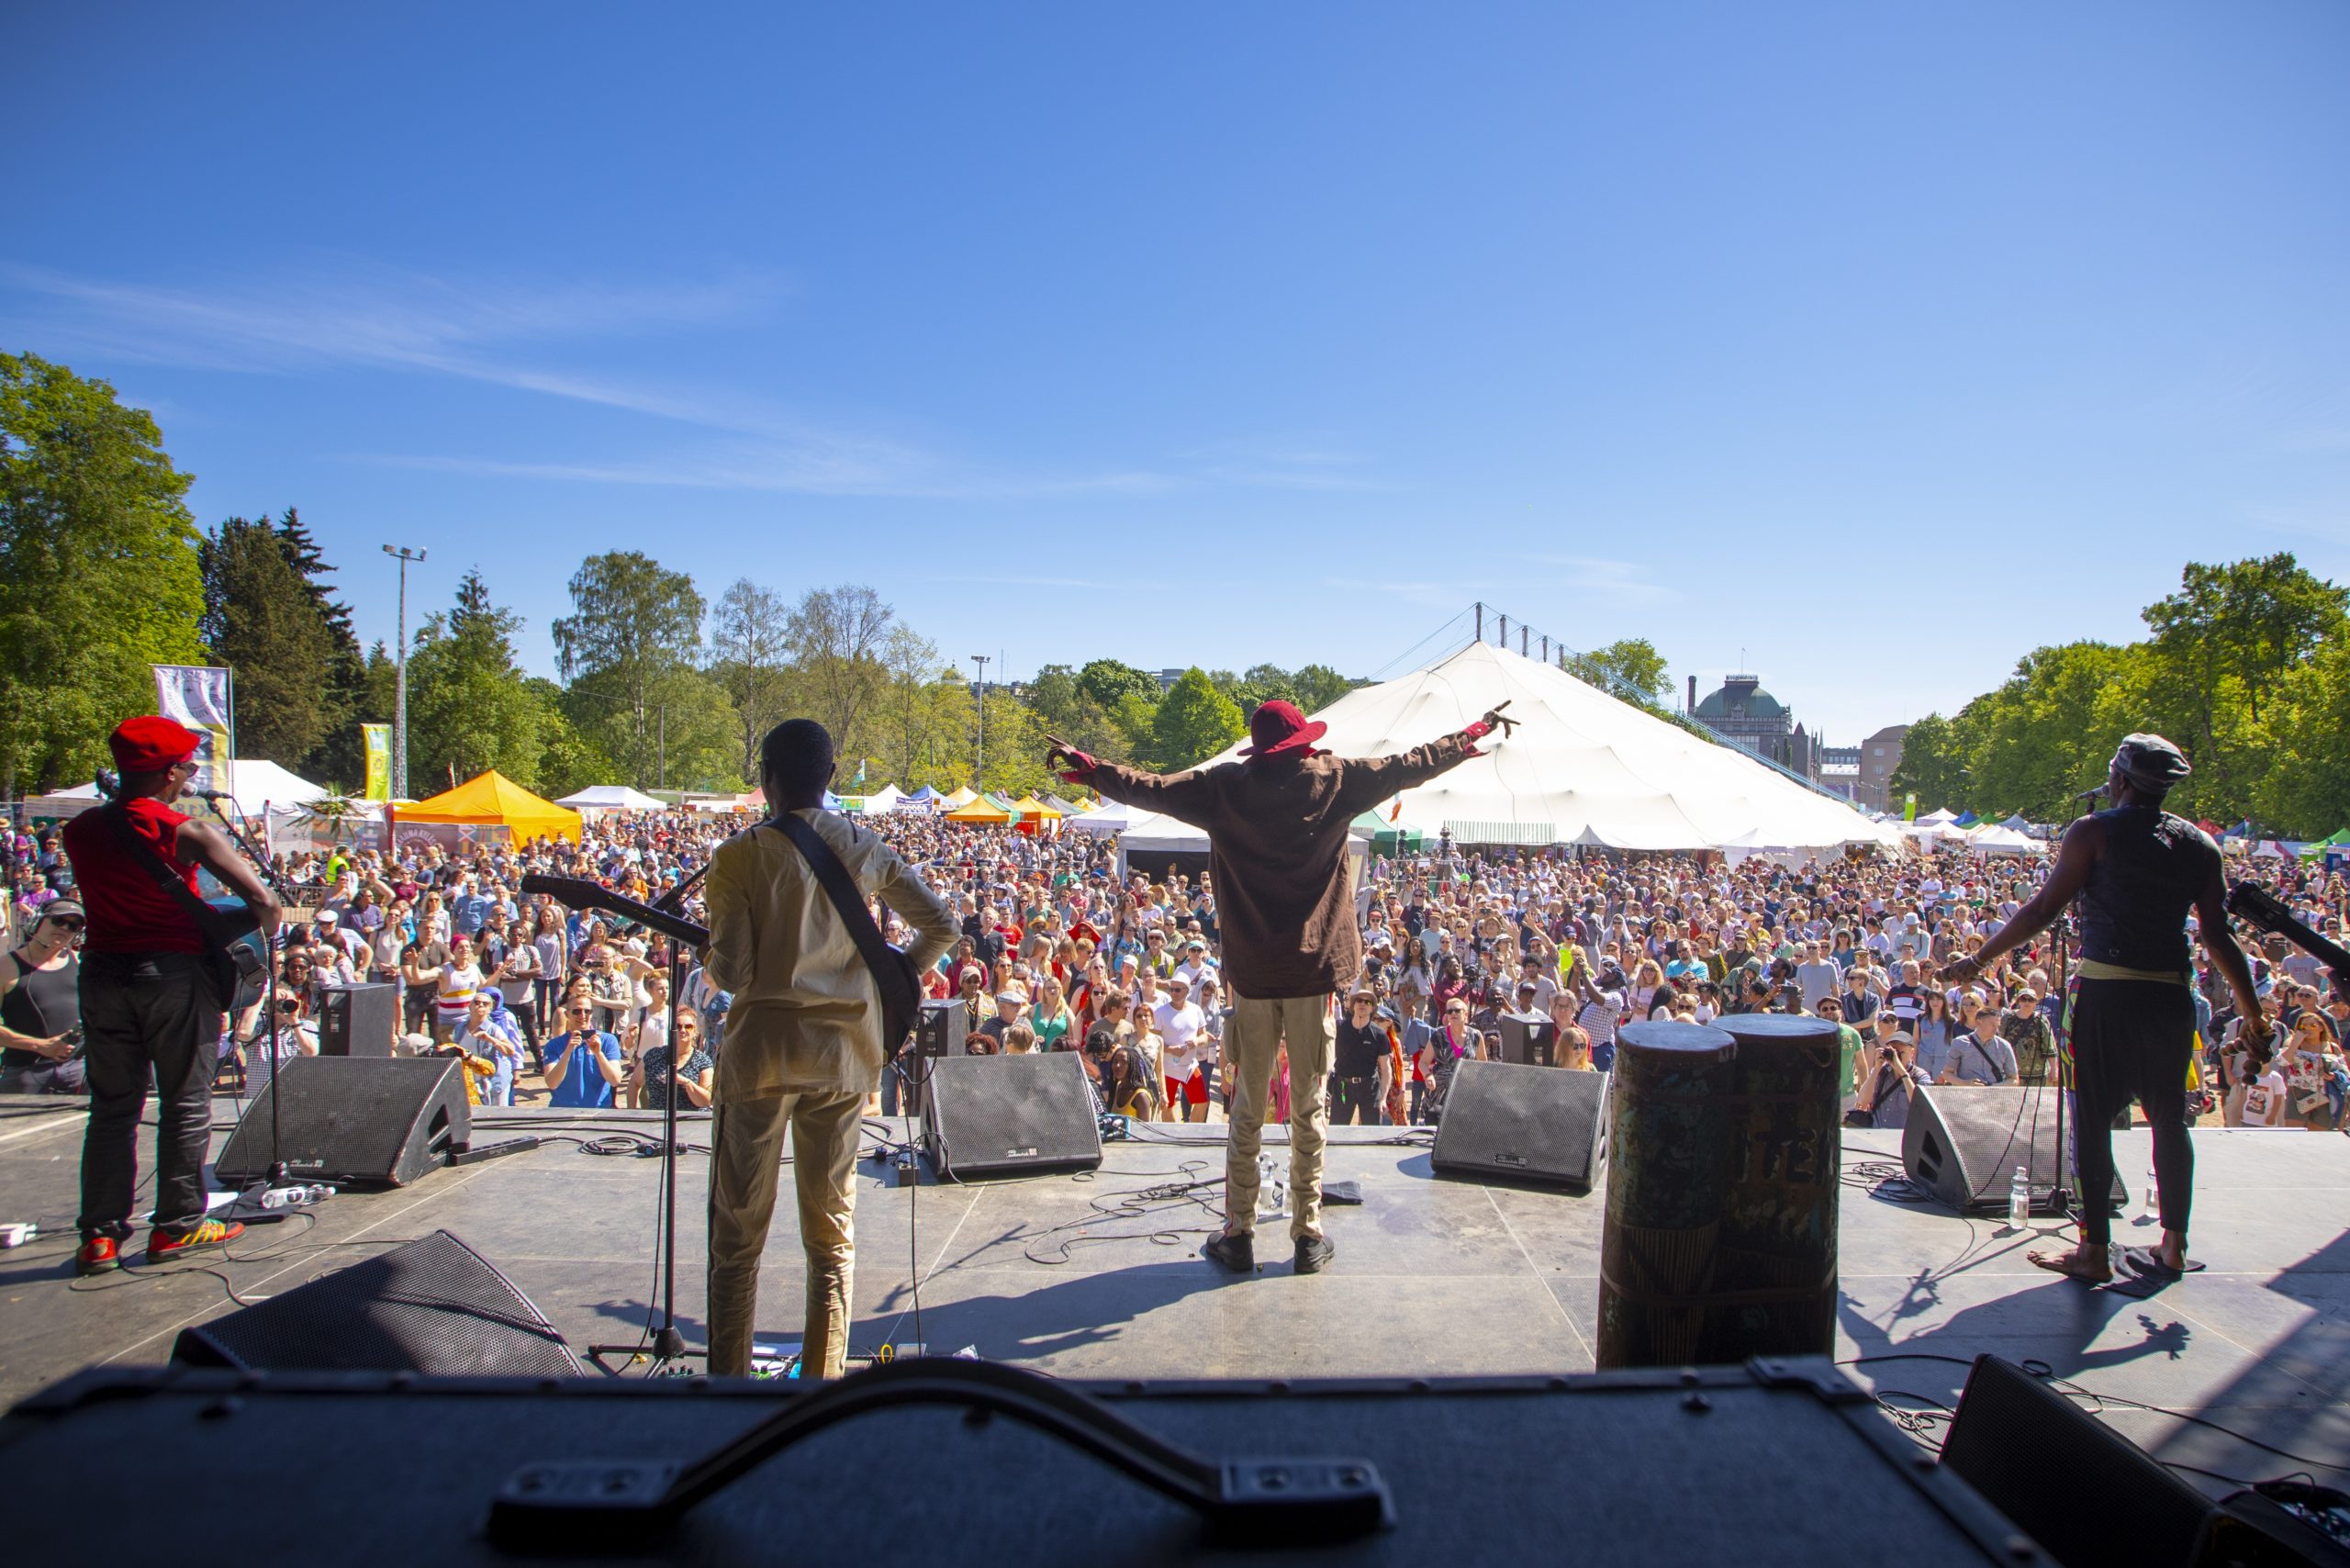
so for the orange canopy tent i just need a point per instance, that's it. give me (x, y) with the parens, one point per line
(983, 809)
(492, 799)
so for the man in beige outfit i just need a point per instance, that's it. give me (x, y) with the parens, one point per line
(803, 1046)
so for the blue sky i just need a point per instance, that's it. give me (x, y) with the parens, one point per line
(1869, 343)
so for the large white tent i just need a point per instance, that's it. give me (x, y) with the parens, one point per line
(611, 798)
(256, 784)
(1583, 767)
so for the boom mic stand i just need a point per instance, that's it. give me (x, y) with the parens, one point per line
(279, 1175)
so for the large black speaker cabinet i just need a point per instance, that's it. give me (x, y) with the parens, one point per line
(435, 1305)
(1530, 1042)
(1009, 1117)
(358, 1020)
(1544, 1125)
(378, 1120)
(1963, 1143)
(2086, 1493)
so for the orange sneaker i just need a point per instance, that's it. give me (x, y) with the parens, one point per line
(202, 1237)
(98, 1255)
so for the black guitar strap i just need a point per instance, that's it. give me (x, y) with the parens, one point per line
(888, 965)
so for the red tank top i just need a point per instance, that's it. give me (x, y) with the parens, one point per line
(129, 912)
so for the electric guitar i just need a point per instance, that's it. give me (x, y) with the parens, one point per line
(578, 893)
(2260, 908)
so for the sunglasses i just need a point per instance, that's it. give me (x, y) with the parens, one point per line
(66, 922)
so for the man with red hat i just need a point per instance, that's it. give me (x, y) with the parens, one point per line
(1277, 842)
(148, 1001)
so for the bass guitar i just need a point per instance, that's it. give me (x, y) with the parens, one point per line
(2263, 910)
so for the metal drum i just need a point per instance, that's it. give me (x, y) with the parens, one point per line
(1670, 1129)
(1773, 1289)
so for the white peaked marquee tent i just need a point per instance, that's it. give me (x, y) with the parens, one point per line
(1583, 767)
(612, 798)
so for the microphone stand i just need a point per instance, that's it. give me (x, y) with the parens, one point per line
(279, 1175)
(668, 1344)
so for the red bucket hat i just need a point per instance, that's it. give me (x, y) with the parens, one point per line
(151, 743)
(1278, 729)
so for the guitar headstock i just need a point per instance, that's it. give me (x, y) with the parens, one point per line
(2258, 906)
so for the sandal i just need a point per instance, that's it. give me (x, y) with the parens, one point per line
(2072, 1266)
(2148, 1261)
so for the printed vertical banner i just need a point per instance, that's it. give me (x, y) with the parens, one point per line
(378, 740)
(199, 696)
(1910, 809)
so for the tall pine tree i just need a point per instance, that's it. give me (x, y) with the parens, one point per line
(339, 754)
(260, 619)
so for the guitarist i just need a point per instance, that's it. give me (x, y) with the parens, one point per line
(148, 997)
(803, 1043)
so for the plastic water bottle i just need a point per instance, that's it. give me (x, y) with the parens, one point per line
(2020, 1201)
(2154, 1197)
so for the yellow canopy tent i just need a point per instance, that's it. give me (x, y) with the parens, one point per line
(492, 799)
(961, 798)
(980, 810)
(1030, 808)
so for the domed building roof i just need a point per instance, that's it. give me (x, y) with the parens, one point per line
(1741, 697)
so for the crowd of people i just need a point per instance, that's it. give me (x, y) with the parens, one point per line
(1468, 954)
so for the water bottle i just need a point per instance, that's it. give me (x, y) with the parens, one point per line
(2154, 1197)
(2020, 1201)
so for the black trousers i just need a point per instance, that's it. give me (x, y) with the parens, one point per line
(147, 1016)
(2132, 1040)
(1349, 1095)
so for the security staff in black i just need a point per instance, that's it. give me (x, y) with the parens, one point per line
(1355, 1076)
(2137, 870)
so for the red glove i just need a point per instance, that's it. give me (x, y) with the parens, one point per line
(1079, 766)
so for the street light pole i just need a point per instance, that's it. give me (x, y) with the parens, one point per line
(978, 768)
(400, 715)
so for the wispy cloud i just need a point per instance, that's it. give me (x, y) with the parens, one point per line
(1533, 580)
(339, 314)
(1622, 581)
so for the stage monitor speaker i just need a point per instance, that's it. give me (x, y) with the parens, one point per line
(2086, 1493)
(358, 1020)
(1530, 1042)
(374, 1120)
(939, 1032)
(1522, 1124)
(1009, 1117)
(435, 1305)
(1963, 1143)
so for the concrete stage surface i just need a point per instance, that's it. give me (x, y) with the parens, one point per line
(1433, 1277)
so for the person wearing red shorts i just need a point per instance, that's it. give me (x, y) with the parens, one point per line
(1181, 1033)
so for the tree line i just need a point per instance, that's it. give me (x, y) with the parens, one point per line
(2246, 666)
(105, 572)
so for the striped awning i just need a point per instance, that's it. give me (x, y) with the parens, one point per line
(1503, 832)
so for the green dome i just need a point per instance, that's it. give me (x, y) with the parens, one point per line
(1741, 698)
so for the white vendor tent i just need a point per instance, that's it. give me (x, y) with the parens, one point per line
(256, 785)
(1110, 818)
(2001, 840)
(1938, 819)
(611, 798)
(1583, 767)
(885, 798)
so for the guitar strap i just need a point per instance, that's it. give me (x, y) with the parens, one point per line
(888, 964)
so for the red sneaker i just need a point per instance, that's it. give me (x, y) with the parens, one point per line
(203, 1237)
(98, 1255)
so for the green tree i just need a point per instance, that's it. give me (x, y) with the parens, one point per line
(341, 753)
(99, 578)
(261, 621)
(1078, 719)
(1934, 766)
(838, 638)
(1194, 722)
(625, 651)
(469, 707)
(1109, 683)
(1631, 668)
(750, 659)
(1318, 686)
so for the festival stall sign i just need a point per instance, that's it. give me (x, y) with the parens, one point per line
(490, 800)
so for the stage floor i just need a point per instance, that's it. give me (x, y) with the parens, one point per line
(1433, 1277)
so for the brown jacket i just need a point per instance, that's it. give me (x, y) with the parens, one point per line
(1277, 843)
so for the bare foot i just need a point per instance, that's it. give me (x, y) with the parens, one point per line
(2078, 1264)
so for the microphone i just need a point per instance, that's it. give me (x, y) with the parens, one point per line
(210, 794)
(2089, 795)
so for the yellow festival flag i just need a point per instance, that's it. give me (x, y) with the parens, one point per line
(378, 738)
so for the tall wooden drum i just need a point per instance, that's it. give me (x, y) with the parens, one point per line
(1774, 1280)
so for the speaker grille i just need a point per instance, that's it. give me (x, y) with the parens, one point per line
(1010, 1115)
(1529, 1123)
(435, 1305)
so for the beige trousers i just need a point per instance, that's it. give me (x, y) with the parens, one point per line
(746, 1138)
(1258, 1028)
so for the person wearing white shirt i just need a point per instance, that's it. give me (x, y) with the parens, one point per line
(1179, 1022)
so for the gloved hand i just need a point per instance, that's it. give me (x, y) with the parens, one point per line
(1492, 721)
(1073, 766)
